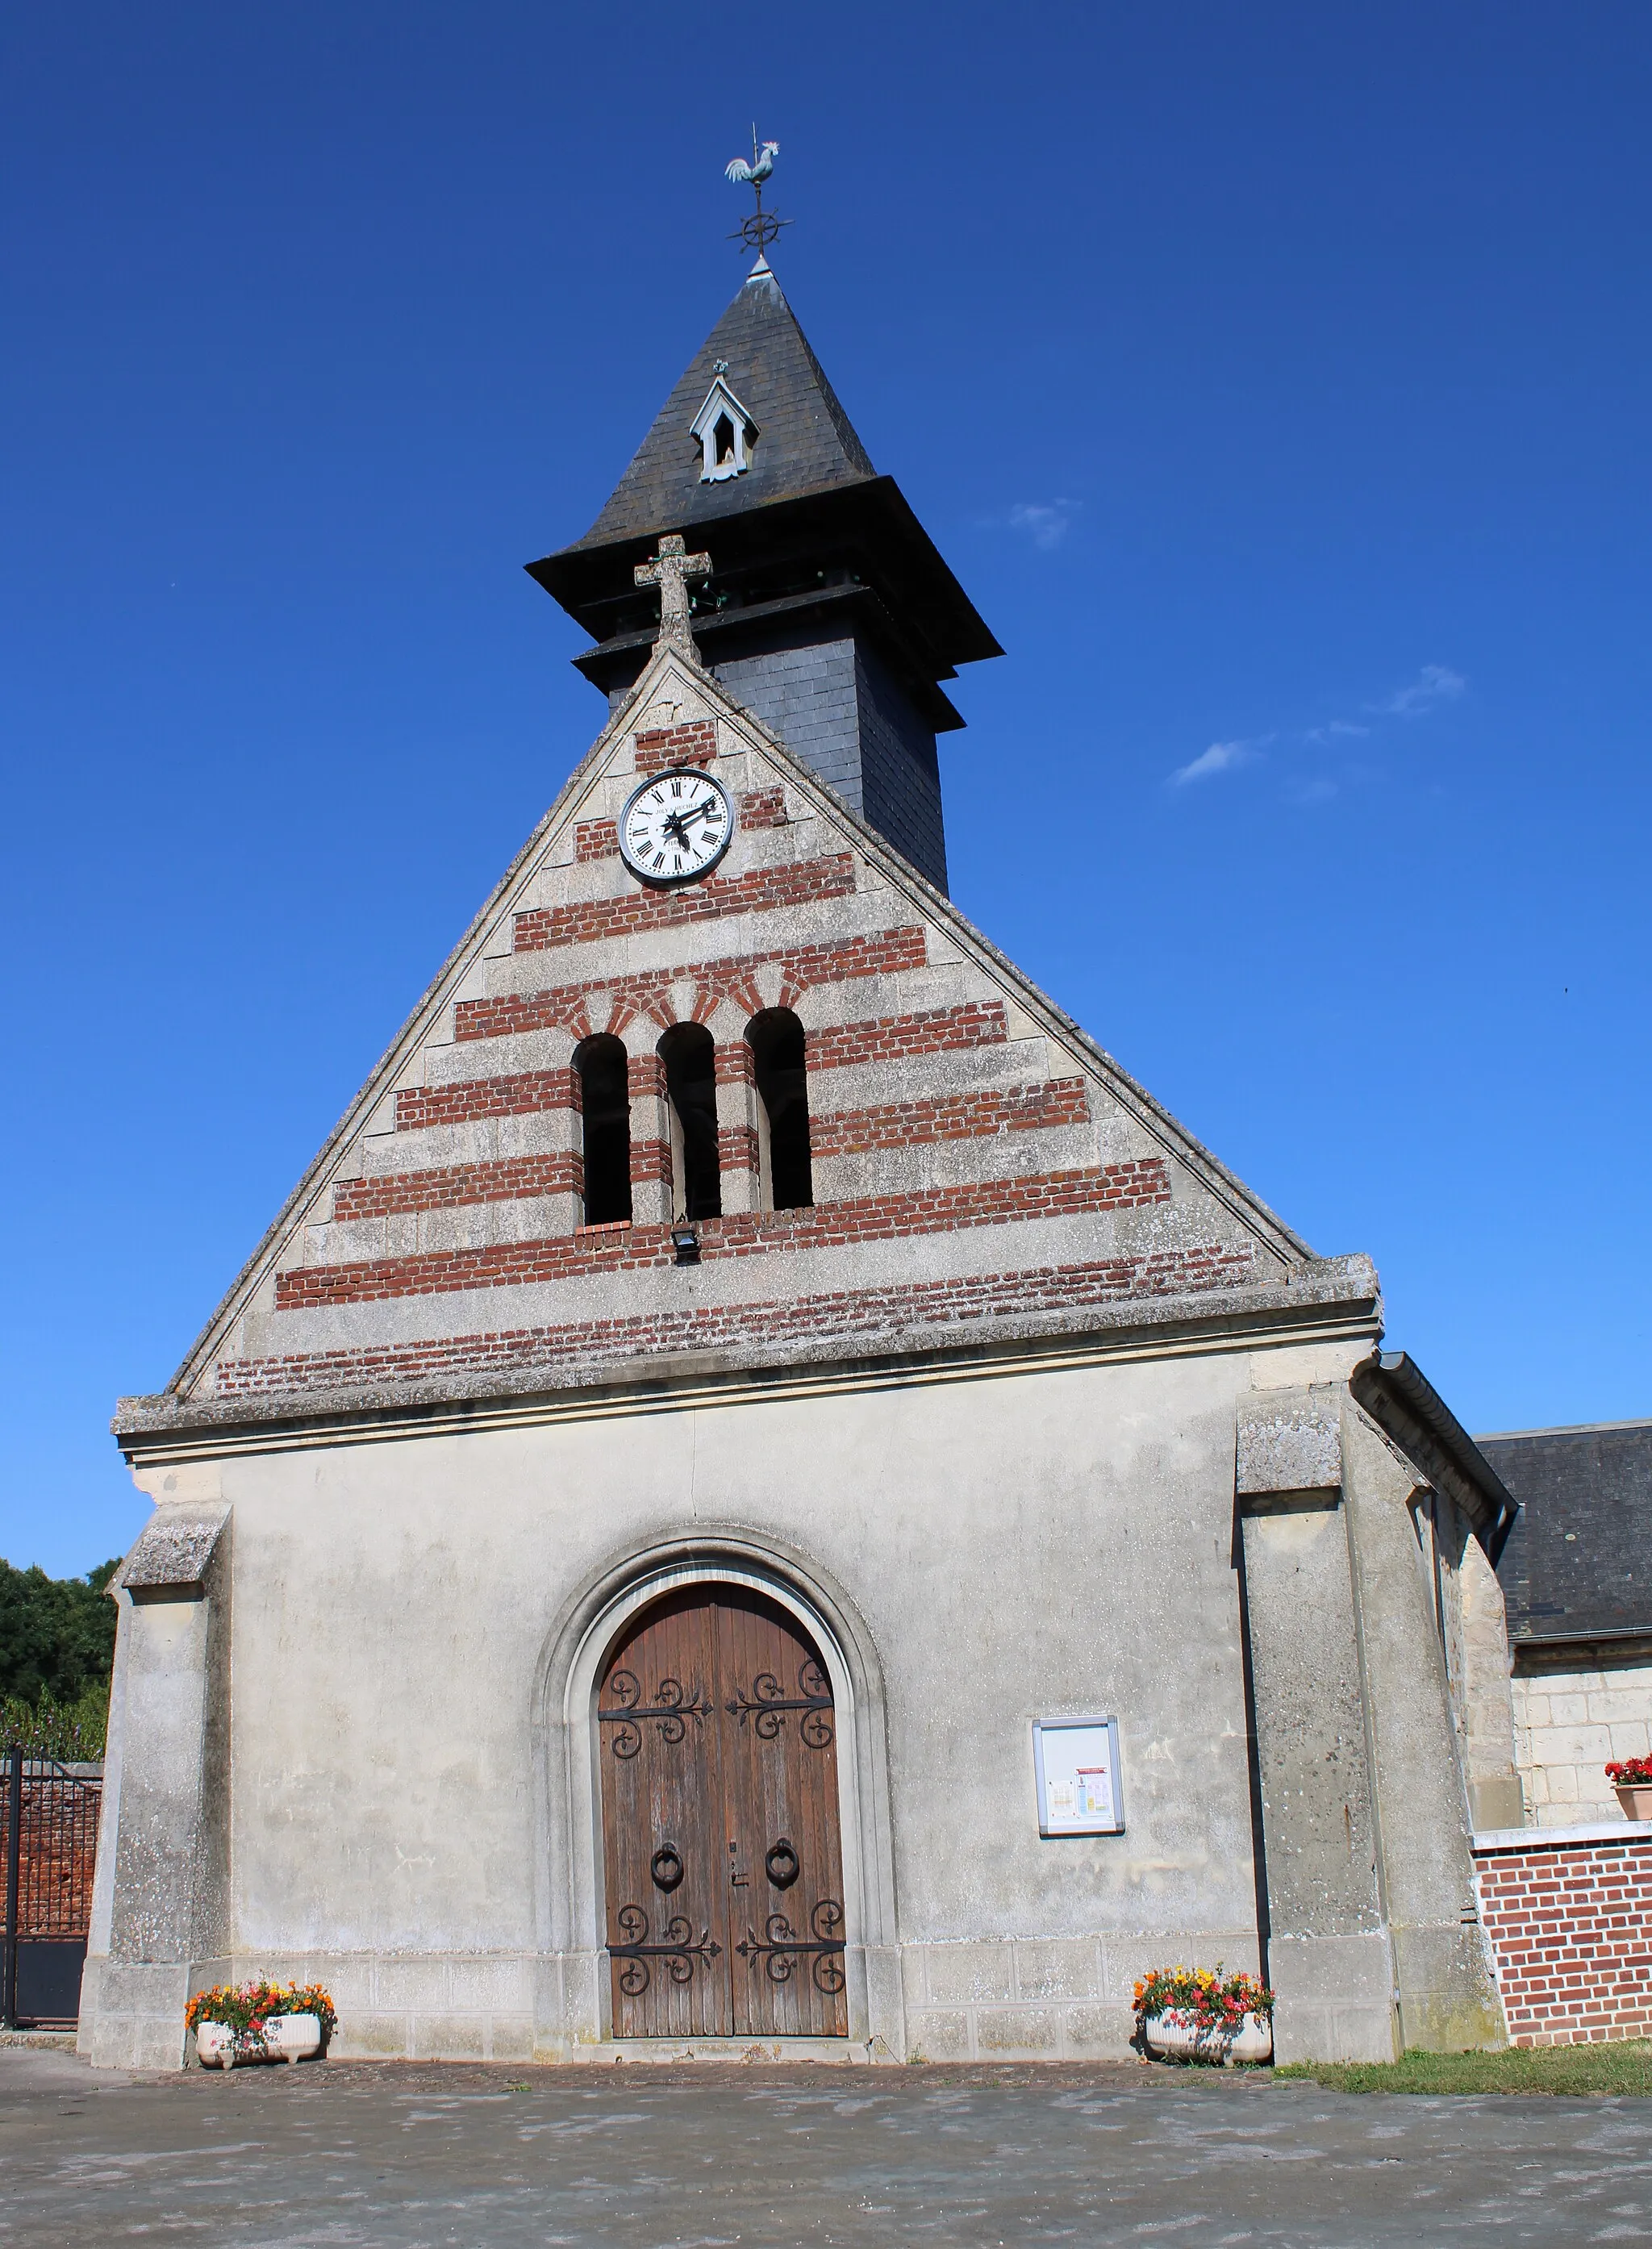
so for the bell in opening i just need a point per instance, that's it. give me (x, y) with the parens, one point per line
(691, 1084)
(776, 1041)
(605, 1106)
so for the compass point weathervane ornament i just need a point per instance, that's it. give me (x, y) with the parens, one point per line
(760, 229)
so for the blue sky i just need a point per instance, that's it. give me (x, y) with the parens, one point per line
(1274, 378)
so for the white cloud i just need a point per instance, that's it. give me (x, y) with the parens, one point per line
(1433, 684)
(1045, 522)
(1221, 757)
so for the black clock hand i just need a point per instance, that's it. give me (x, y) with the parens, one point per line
(699, 811)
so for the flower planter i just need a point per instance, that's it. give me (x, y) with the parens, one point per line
(1251, 2041)
(285, 2037)
(1636, 1801)
(215, 2043)
(292, 2038)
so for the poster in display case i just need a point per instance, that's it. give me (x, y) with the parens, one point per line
(1080, 1789)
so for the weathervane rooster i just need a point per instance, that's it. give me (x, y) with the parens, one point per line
(758, 231)
(763, 163)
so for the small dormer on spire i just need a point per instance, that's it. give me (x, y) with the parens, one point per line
(724, 430)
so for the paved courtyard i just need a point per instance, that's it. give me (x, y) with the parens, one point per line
(418, 2156)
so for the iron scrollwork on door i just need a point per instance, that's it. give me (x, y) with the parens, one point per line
(669, 1711)
(782, 1951)
(765, 1705)
(679, 1951)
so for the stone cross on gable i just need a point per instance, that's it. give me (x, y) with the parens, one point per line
(670, 571)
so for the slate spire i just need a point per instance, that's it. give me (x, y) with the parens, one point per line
(829, 613)
(805, 441)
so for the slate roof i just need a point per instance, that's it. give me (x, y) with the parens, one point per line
(806, 443)
(1578, 1563)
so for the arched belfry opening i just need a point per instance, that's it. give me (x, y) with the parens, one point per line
(600, 1069)
(689, 1056)
(779, 1061)
(723, 1862)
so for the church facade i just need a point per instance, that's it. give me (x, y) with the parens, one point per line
(761, 1494)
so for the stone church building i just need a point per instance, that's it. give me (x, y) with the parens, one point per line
(760, 1493)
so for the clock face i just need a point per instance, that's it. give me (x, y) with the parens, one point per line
(676, 827)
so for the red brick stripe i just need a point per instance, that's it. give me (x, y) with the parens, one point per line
(1569, 1931)
(595, 839)
(517, 1096)
(665, 747)
(565, 1006)
(543, 928)
(446, 1186)
(862, 1313)
(891, 1038)
(883, 1218)
(956, 1116)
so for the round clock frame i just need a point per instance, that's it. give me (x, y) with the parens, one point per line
(658, 879)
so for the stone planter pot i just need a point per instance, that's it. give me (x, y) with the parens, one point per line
(1252, 2042)
(286, 2038)
(1636, 1802)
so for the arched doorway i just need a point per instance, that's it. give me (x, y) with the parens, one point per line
(717, 1749)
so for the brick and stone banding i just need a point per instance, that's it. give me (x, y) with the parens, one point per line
(883, 1218)
(596, 921)
(954, 1117)
(469, 1099)
(1570, 1924)
(448, 1186)
(565, 1006)
(860, 1313)
(900, 1038)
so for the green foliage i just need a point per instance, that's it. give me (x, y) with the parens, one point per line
(73, 1733)
(1622, 2067)
(57, 1634)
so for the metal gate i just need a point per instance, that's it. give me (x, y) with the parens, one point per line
(51, 1814)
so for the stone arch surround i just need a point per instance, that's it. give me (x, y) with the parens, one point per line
(573, 2014)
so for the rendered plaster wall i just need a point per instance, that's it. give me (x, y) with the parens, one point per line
(1569, 1725)
(1046, 1544)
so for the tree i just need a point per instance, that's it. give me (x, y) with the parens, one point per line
(57, 1634)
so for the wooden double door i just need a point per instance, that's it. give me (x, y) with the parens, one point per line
(724, 1866)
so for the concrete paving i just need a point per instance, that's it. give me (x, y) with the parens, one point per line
(409, 2155)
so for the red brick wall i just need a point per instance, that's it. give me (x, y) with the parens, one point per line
(1568, 1927)
(665, 747)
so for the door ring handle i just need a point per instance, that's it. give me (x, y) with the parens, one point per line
(782, 1864)
(666, 1866)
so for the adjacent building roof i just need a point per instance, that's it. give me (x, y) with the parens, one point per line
(1578, 1563)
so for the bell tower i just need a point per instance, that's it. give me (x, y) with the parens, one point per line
(829, 611)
